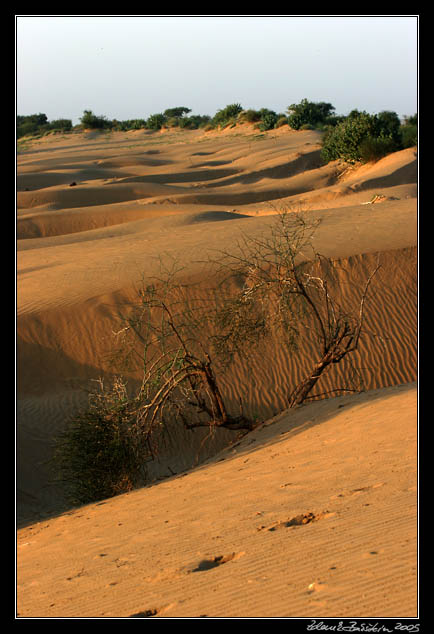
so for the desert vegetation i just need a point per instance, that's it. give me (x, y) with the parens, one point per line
(38, 124)
(277, 285)
(359, 136)
(363, 137)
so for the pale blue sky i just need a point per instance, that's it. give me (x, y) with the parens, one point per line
(128, 67)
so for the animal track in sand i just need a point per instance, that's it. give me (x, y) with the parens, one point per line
(357, 491)
(298, 520)
(205, 564)
(214, 562)
(144, 614)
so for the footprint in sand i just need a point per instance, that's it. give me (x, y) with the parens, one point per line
(299, 520)
(214, 562)
(357, 491)
(144, 614)
(150, 612)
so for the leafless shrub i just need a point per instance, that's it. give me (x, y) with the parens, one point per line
(288, 289)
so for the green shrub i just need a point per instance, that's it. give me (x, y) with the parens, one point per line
(281, 120)
(388, 127)
(408, 135)
(227, 115)
(138, 124)
(26, 128)
(409, 131)
(200, 120)
(128, 124)
(268, 119)
(156, 121)
(374, 148)
(100, 453)
(343, 141)
(173, 122)
(177, 112)
(186, 123)
(362, 135)
(250, 116)
(412, 120)
(38, 124)
(308, 112)
(30, 124)
(59, 125)
(91, 121)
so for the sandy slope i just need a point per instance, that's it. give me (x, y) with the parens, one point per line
(228, 540)
(140, 198)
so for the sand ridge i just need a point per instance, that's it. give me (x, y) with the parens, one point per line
(95, 212)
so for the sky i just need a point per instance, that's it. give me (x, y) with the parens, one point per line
(128, 67)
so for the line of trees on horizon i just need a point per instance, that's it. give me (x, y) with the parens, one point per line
(358, 136)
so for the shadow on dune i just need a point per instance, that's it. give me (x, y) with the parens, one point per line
(51, 388)
(35, 180)
(121, 162)
(296, 421)
(298, 165)
(405, 175)
(75, 197)
(212, 163)
(180, 177)
(210, 216)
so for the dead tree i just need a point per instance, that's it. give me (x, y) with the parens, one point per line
(167, 331)
(286, 287)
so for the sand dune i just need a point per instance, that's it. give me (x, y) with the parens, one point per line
(187, 196)
(227, 539)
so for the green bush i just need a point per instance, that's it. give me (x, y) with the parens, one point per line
(408, 135)
(176, 113)
(62, 125)
(173, 122)
(30, 124)
(227, 115)
(100, 453)
(39, 124)
(362, 137)
(282, 120)
(374, 148)
(250, 116)
(409, 131)
(186, 123)
(200, 120)
(309, 112)
(91, 121)
(343, 141)
(156, 121)
(268, 119)
(129, 124)
(412, 120)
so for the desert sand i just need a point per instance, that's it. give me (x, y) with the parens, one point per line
(314, 513)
